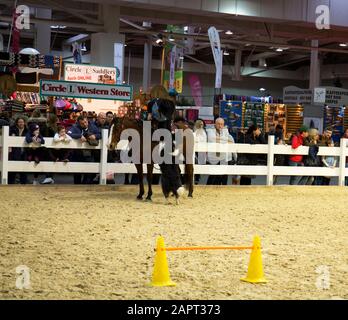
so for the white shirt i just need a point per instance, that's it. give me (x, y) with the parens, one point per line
(223, 137)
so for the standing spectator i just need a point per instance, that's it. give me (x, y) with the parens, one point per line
(84, 132)
(312, 160)
(100, 124)
(219, 134)
(18, 154)
(51, 129)
(200, 135)
(253, 136)
(297, 160)
(328, 162)
(109, 118)
(326, 137)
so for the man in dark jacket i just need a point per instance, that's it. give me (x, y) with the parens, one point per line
(83, 131)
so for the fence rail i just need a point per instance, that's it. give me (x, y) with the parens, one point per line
(103, 166)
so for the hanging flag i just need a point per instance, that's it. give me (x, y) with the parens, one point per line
(196, 89)
(217, 54)
(172, 68)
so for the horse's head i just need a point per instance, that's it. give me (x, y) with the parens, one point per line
(116, 129)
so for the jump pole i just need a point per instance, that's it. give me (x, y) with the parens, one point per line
(161, 275)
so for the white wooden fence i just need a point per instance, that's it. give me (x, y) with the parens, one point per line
(103, 167)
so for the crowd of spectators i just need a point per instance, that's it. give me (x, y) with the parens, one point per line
(87, 128)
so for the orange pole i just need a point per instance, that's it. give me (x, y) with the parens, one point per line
(206, 248)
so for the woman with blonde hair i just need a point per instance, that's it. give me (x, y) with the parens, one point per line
(312, 160)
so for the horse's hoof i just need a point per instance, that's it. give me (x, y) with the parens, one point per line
(139, 197)
(190, 196)
(148, 199)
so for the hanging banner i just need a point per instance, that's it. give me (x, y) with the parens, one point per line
(178, 67)
(217, 54)
(88, 73)
(119, 61)
(85, 90)
(196, 89)
(172, 68)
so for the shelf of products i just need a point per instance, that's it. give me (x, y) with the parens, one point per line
(232, 113)
(275, 114)
(254, 113)
(124, 110)
(294, 119)
(28, 97)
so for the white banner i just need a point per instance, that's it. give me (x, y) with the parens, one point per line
(88, 73)
(217, 53)
(85, 90)
(119, 61)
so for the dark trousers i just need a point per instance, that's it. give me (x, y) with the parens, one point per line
(86, 178)
(218, 179)
(325, 181)
(245, 181)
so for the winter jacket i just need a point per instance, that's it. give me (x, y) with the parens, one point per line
(16, 153)
(29, 138)
(296, 142)
(76, 132)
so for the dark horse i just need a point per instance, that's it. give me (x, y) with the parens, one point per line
(120, 124)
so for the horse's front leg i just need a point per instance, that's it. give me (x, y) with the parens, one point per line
(189, 179)
(149, 181)
(141, 181)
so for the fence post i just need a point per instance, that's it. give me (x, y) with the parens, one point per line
(343, 153)
(103, 157)
(4, 155)
(270, 160)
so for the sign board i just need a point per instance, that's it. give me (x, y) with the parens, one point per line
(85, 90)
(293, 95)
(334, 97)
(319, 95)
(88, 73)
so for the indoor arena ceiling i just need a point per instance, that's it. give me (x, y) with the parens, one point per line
(265, 43)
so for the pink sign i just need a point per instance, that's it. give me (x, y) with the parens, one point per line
(196, 89)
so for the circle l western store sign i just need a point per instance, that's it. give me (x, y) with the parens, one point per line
(85, 90)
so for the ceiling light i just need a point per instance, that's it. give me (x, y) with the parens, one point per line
(279, 50)
(262, 89)
(247, 44)
(83, 47)
(228, 32)
(58, 27)
(226, 53)
(171, 38)
(343, 45)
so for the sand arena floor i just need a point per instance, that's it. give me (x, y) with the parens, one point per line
(96, 242)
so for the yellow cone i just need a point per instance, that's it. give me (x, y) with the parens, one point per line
(160, 276)
(255, 270)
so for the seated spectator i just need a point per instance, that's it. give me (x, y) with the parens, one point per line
(35, 152)
(61, 137)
